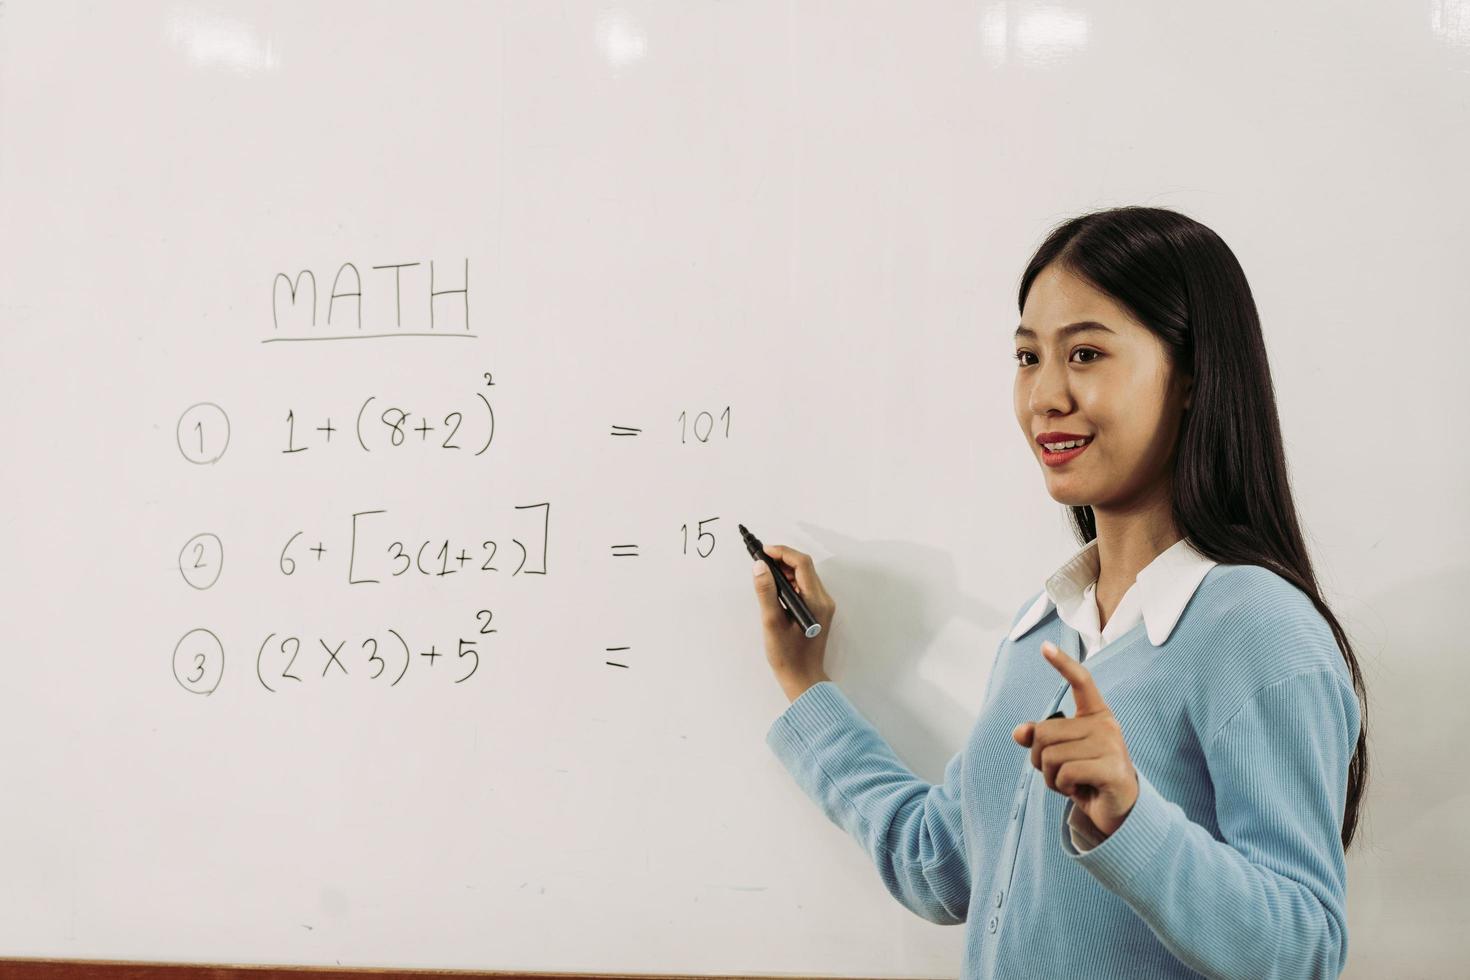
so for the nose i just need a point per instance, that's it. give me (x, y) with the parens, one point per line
(1049, 390)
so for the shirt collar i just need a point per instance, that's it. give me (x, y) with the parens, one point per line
(1165, 587)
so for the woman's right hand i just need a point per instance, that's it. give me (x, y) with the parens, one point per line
(795, 659)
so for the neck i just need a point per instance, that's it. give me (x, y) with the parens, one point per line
(1127, 541)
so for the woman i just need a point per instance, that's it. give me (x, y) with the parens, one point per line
(1184, 803)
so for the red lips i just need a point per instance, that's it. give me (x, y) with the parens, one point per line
(1060, 436)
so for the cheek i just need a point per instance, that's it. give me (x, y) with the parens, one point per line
(1136, 447)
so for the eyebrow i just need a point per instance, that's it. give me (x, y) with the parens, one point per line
(1067, 331)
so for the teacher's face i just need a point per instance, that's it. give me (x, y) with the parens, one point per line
(1112, 384)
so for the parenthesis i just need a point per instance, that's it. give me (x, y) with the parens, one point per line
(257, 666)
(359, 424)
(492, 422)
(406, 657)
(418, 559)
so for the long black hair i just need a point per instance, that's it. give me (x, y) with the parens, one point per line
(1231, 497)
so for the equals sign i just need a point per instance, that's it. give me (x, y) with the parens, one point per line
(625, 430)
(625, 551)
(613, 649)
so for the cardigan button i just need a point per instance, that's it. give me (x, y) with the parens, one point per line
(998, 897)
(993, 921)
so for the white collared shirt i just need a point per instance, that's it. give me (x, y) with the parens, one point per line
(1158, 596)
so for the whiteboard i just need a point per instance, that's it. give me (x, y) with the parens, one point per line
(434, 645)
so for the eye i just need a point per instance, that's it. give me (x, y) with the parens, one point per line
(1020, 354)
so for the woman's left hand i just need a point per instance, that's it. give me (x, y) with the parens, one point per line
(1083, 757)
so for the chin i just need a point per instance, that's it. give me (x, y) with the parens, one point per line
(1070, 499)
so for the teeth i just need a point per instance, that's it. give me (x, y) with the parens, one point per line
(1057, 447)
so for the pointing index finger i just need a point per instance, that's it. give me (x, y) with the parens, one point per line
(1084, 690)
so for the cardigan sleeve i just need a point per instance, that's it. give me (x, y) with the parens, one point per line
(913, 831)
(1268, 901)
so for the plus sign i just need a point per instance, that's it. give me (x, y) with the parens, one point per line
(319, 550)
(424, 428)
(328, 430)
(431, 655)
(463, 557)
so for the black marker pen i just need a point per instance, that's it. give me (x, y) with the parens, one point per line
(790, 601)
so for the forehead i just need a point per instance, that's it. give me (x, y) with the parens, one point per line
(1064, 305)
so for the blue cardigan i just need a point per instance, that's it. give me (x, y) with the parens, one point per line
(1230, 864)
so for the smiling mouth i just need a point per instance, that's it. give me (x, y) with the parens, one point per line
(1058, 458)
